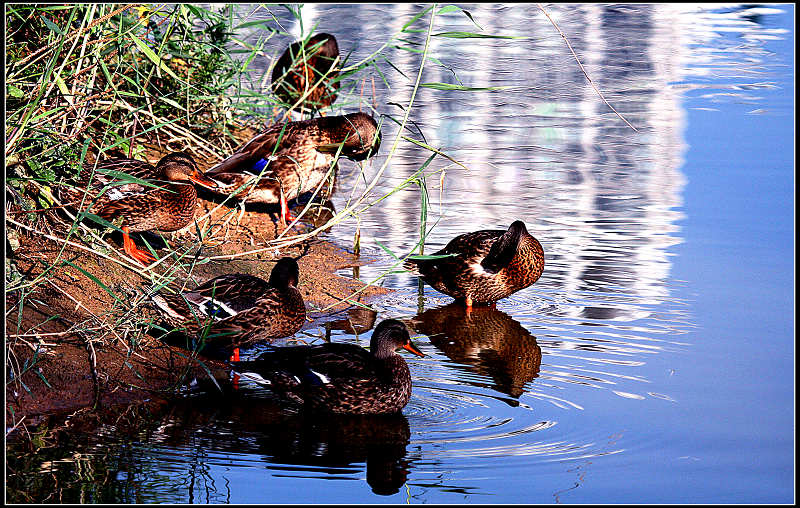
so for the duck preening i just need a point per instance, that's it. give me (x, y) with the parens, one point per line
(293, 158)
(238, 310)
(483, 266)
(144, 202)
(340, 378)
(304, 75)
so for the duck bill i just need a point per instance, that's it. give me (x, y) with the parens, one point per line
(409, 346)
(330, 148)
(201, 179)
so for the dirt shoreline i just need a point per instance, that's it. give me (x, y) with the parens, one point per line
(72, 372)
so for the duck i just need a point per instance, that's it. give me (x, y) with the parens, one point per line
(340, 378)
(239, 310)
(304, 75)
(293, 158)
(484, 266)
(143, 205)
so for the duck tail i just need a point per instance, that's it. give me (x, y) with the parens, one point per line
(166, 307)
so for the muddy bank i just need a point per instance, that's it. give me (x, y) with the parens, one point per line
(113, 358)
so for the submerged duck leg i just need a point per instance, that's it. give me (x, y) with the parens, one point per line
(132, 250)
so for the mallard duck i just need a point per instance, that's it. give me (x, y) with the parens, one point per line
(340, 378)
(483, 266)
(488, 340)
(294, 158)
(239, 309)
(303, 73)
(143, 207)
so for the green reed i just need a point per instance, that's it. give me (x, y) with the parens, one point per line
(100, 78)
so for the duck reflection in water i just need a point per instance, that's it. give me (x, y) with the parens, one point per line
(357, 320)
(488, 340)
(249, 422)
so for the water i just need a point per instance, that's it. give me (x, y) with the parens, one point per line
(654, 359)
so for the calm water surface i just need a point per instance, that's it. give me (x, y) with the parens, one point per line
(654, 359)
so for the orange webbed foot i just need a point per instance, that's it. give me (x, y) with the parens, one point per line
(133, 251)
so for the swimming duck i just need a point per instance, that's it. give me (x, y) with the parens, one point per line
(159, 207)
(294, 158)
(340, 378)
(239, 309)
(303, 73)
(483, 266)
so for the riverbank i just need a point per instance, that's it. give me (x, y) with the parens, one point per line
(82, 338)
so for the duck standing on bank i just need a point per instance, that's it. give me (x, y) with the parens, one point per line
(239, 309)
(340, 378)
(146, 204)
(304, 73)
(293, 158)
(483, 266)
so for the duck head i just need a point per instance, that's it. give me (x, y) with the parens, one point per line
(285, 273)
(357, 131)
(389, 336)
(180, 167)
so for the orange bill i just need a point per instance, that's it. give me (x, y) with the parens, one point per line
(201, 179)
(409, 346)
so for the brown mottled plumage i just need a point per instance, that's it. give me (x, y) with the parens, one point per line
(160, 206)
(241, 309)
(489, 340)
(294, 157)
(304, 70)
(340, 378)
(484, 266)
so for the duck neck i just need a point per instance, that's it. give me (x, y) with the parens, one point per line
(393, 369)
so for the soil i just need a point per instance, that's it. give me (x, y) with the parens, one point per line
(116, 357)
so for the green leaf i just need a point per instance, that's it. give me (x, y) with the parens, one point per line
(467, 14)
(260, 22)
(472, 35)
(94, 279)
(39, 373)
(107, 74)
(52, 26)
(153, 57)
(449, 8)
(14, 92)
(460, 88)
(387, 250)
(415, 18)
(419, 257)
(453, 8)
(99, 220)
(63, 88)
(45, 201)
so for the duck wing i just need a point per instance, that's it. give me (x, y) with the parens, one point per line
(466, 250)
(293, 367)
(222, 297)
(270, 142)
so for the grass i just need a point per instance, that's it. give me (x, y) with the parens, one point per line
(86, 80)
